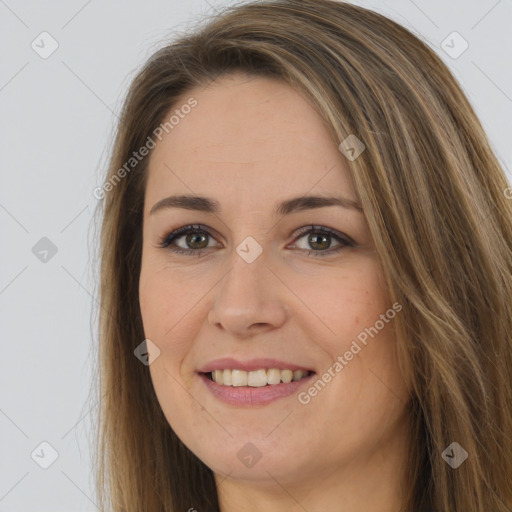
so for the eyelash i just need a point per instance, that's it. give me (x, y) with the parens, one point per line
(167, 240)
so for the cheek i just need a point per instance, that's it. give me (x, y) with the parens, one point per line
(173, 309)
(154, 306)
(164, 301)
(165, 309)
(358, 318)
(349, 301)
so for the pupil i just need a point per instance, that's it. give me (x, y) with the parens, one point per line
(191, 238)
(313, 241)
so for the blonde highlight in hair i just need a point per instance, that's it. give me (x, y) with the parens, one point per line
(432, 191)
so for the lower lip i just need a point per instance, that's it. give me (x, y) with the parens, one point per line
(246, 395)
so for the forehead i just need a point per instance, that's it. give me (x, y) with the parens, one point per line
(251, 137)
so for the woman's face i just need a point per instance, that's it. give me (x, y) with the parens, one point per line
(256, 286)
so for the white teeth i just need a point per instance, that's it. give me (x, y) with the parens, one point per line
(226, 378)
(273, 376)
(238, 378)
(256, 378)
(286, 375)
(298, 374)
(217, 376)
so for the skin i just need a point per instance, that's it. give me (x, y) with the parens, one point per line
(251, 143)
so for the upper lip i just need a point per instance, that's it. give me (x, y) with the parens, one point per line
(228, 363)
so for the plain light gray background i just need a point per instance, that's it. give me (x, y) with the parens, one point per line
(57, 116)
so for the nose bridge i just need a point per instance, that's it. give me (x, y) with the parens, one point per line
(249, 293)
(249, 265)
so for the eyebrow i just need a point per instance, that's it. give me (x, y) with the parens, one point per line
(209, 205)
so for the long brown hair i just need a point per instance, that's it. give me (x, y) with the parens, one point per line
(433, 194)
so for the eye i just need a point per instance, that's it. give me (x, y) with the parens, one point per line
(320, 238)
(196, 240)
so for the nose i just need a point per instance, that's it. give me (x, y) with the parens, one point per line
(249, 299)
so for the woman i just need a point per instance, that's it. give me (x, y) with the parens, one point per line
(306, 273)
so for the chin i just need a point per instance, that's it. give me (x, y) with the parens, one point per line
(254, 461)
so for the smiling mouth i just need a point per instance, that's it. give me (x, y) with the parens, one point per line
(256, 378)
